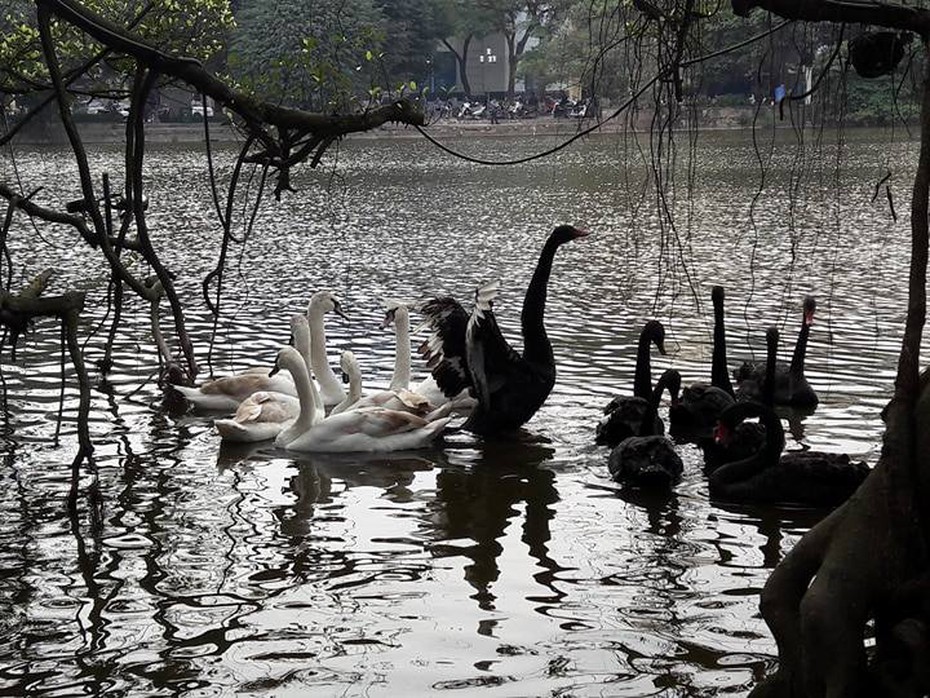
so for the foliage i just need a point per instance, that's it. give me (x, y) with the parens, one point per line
(196, 28)
(314, 55)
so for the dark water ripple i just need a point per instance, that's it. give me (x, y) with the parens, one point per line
(516, 567)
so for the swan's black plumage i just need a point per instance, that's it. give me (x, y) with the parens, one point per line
(509, 387)
(701, 403)
(649, 461)
(790, 387)
(805, 478)
(623, 415)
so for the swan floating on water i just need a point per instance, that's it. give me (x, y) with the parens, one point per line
(263, 414)
(469, 351)
(623, 416)
(225, 394)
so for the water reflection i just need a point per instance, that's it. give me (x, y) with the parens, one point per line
(478, 504)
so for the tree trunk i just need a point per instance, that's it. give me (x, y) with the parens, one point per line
(462, 60)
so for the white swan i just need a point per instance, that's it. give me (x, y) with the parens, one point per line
(366, 429)
(262, 415)
(225, 394)
(331, 388)
(393, 399)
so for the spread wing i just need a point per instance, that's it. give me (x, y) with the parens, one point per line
(444, 350)
(491, 360)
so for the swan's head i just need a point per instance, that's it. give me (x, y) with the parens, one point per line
(323, 302)
(716, 295)
(654, 331)
(287, 357)
(565, 233)
(349, 365)
(810, 306)
(671, 380)
(394, 311)
(771, 340)
(299, 323)
(734, 415)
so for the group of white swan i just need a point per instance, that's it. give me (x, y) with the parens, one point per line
(286, 405)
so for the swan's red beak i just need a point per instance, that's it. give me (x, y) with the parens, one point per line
(721, 434)
(582, 233)
(808, 317)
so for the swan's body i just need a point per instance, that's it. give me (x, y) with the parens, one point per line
(259, 417)
(331, 388)
(263, 414)
(366, 429)
(469, 351)
(623, 415)
(799, 478)
(790, 384)
(701, 403)
(226, 393)
(649, 461)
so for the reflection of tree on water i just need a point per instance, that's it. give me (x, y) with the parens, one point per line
(478, 503)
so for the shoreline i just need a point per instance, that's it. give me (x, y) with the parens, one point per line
(106, 132)
(97, 132)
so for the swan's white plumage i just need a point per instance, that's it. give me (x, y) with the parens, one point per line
(366, 429)
(259, 417)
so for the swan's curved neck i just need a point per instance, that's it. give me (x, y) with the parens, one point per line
(311, 404)
(719, 375)
(766, 457)
(536, 345)
(355, 389)
(400, 380)
(652, 412)
(302, 341)
(642, 381)
(800, 349)
(318, 361)
(771, 360)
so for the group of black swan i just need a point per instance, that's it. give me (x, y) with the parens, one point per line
(743, 460)
(468, 356)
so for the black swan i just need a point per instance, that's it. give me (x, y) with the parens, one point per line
(791, 386)
(649, 461)
(747, 437)
(805, 478)
(623, 416)
(701, 403)
(470, 351)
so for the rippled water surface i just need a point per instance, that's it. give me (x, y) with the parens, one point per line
(515, 568)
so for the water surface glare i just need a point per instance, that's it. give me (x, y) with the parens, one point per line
(514, 567)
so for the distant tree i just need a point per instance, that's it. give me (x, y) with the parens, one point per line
(316, 56)
(412, 30)
(463, 20)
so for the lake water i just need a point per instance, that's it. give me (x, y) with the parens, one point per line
(516, 567)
